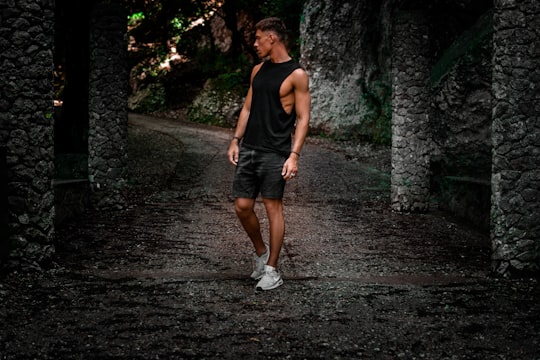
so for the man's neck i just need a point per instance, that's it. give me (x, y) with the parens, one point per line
(279, 56)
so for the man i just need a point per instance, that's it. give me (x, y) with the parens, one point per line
(278, 97)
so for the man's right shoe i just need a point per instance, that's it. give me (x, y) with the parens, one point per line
(259, 263)
(271, 279)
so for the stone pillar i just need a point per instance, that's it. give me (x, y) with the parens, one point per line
(107, 142)
(515, 208)
(26, 128)
(411, 142)
(4, 210)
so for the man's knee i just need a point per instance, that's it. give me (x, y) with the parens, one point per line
(243, 207)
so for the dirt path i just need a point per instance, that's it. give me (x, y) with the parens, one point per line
(167, 278)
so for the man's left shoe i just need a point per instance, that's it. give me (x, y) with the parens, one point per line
(270, 280)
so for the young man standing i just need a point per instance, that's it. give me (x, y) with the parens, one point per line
(277, 99)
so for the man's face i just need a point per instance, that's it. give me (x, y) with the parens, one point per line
(263, 43)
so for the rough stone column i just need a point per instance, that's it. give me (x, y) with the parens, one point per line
(410, 107)
(4, 210)
(107, 142)
(26, 129)
(515, 209)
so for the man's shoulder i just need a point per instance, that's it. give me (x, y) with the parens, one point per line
(299, 74)
(256, 69)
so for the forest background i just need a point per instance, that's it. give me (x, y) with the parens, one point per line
(193, 59)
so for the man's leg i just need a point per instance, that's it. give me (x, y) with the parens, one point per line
(245, 210)
(274, 210)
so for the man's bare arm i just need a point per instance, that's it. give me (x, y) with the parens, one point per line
(302, 104)
(241, 125)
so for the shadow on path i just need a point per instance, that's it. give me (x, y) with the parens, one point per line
(168, 277)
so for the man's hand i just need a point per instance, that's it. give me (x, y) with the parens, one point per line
(233, 151)
(290, 168)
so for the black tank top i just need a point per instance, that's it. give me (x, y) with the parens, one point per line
(269, 127)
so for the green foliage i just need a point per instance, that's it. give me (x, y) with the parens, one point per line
(231, 72)
(157, 22)
(179, 24)
(153, 103)
(154, 100)
(198, 114)
(135, 19)
(231, 80)
(155, 25)
(173, 20)
(233, 77)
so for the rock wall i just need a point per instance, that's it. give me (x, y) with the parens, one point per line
(516, 137)
(411, 134)
(107, 142)
(217, 106)
(29, 199)
(346, 51)
(481, 145)
(26, 129)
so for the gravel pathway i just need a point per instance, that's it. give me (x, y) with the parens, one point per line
(168, 277)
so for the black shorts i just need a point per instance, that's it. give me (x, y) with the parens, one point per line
(259, 172)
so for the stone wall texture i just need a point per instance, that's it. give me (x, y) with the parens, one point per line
(516, 137)
(108, 93)
(472, 133)
(411, 135)
(26, 128)
(346, 51)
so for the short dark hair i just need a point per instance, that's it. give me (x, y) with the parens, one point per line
(275, 25)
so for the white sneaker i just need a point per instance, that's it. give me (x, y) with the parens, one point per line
(271, 279)
(258, 264)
